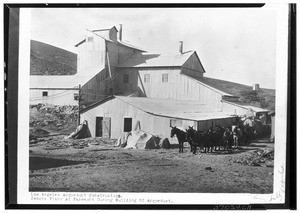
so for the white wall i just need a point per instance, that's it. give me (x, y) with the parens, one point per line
(233, 109)
(117, 110)
(55, 97)
(91, 56)
(178, 87)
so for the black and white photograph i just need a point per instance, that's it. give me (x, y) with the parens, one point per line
(140, 105)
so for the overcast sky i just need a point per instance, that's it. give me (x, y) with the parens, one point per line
(237, 45)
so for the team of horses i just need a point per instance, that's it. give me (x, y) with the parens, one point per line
(213, 139)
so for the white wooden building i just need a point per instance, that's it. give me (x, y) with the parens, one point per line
(117, 114)
(122, 86)
(156, 91)
(54, 90)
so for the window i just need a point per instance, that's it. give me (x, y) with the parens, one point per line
(90, 39)
(125, 78)
(45, 94)
(164, 77)
(127, 124)
(147, 78)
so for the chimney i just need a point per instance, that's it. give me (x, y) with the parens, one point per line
(180, 47)
(255, 87)
(120, 32)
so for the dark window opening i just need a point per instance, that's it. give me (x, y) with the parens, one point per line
(127, 124)
(45, 94)
(147, 78)
(125, 78)
(164, 77)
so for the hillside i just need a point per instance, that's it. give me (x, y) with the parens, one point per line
(49, 60)
(266, 96)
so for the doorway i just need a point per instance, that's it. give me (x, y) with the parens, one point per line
(99, 132)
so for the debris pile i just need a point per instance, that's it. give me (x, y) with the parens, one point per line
(60, 119)
(60, 142)
(258, 157)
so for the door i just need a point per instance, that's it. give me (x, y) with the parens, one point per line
(106, 127)
(127, 124)
(99, 126)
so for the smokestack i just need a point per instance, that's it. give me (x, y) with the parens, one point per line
(120, 32)
(255, 87)
(180, 47)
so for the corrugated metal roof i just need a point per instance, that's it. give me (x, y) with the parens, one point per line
(155, 60)
(247, 106)
(189, 110)
(130, 46)
(52, 81)
(61, 81)
(214, 87)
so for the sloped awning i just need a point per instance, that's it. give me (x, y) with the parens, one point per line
(189, 110)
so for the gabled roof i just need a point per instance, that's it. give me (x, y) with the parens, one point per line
(52, 81)
(155, 60)
(105, 29)
(122, 43)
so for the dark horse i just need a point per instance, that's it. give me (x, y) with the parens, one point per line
(199, 139)
(220, 132)
(181, 136)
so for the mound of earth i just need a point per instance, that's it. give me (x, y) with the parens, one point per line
(49, 119)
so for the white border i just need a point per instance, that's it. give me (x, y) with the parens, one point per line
(24, 196)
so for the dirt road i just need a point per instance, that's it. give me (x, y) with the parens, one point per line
(101, 167)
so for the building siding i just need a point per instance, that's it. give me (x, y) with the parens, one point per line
(91, 55)
(55, 97)
(234, 109)
(178, 87)
(117, 110)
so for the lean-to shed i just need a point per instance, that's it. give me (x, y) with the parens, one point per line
(117, 114)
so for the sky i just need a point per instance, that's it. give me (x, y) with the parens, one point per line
(237, 45)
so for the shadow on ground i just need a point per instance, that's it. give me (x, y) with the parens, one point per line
(36, 163)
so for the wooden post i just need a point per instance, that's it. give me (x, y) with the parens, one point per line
(111, 80)
(79, 100)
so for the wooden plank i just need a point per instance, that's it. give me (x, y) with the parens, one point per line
(106, 125)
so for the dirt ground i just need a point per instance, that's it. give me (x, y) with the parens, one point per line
(95, 165)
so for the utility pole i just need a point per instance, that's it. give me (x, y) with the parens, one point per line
(79, 100)
(110, 75)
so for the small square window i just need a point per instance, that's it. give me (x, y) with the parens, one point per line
(45, 94)
(90, 39)
(164, 77)
(125, 78)
(147, 78)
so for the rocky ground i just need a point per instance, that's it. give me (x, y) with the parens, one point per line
(95, 165)
(47, 120)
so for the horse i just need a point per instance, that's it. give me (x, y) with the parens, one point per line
(199, 139)
(181, 136)
(213, 137)
(190, 137)
(220, 132)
